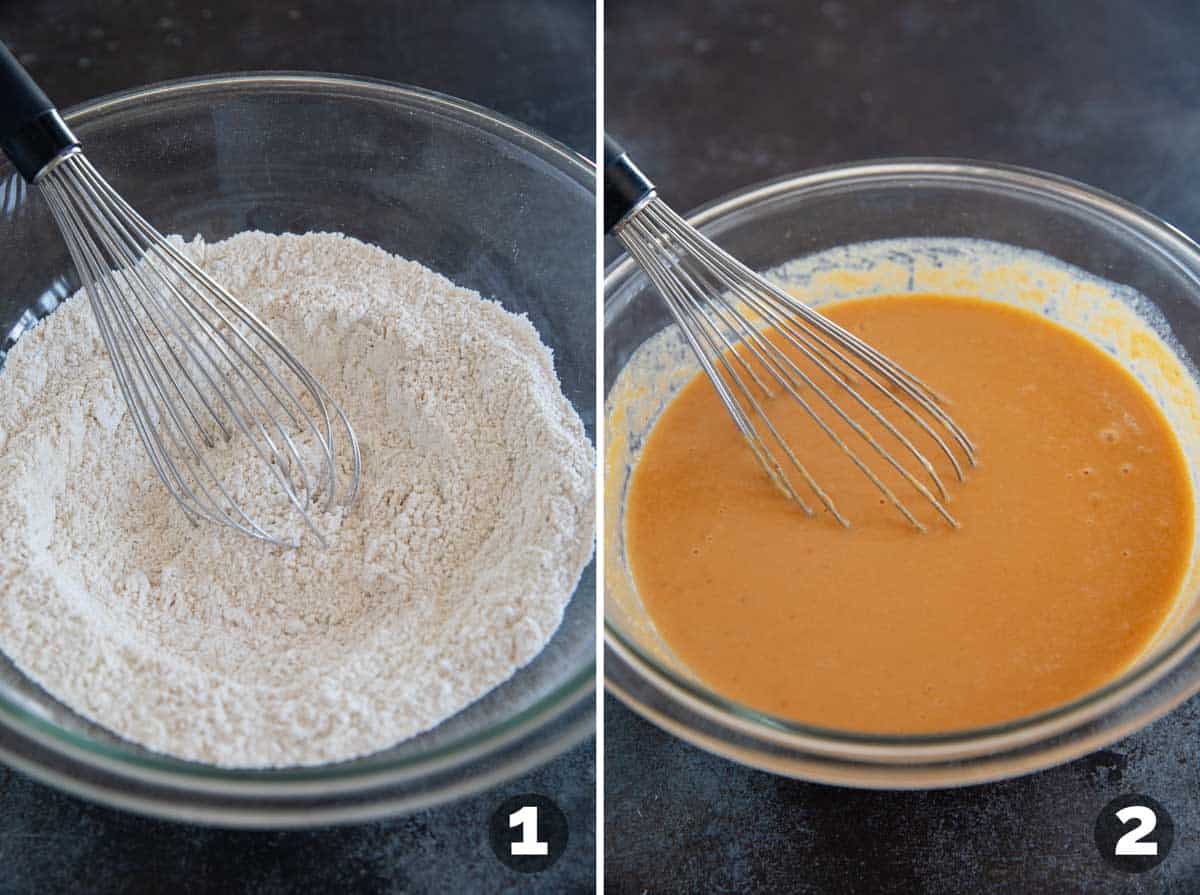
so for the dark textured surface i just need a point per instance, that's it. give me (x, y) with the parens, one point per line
(530, 59)
(711, 97)
(680, 820)
(51, 843)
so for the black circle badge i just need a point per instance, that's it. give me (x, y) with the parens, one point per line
(528, 833)
(1134, 833)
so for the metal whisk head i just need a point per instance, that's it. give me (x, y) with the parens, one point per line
(219, 402)
(197, 369)
(738, 324)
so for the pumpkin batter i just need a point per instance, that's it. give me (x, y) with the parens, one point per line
(1076, 536)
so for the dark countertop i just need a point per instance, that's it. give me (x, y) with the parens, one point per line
(713, 96)
(530, 59)
(533, 60)
(55, 843)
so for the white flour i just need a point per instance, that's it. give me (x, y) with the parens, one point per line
(451, 571)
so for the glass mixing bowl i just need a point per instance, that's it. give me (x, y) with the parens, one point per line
(769, 225)
(460, 189)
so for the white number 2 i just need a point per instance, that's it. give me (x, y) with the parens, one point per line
(1131, 843)
(527, 820)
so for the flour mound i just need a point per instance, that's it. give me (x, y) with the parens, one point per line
(451, 571)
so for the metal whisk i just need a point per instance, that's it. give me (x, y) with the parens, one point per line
(199, 372)
(727, 312)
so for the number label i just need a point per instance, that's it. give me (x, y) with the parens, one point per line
(1134, 833)
(1131, 843)
(527, 832)
(527, 819)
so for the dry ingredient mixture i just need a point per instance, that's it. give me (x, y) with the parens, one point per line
(451, 571)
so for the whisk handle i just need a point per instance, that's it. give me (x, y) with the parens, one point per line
(31, 132)
(625, 186)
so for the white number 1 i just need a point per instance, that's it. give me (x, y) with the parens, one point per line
(1131, 843)
(527, 820)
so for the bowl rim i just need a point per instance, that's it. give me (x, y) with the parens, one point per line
(283, 78)
(932, 749)
(311, 794)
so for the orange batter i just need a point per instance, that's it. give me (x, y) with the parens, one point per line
(1076, 534)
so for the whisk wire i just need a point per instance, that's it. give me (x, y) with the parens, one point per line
(786, 372)
(160, 250)
(148, 399)
(709, 357)
(97, 275)
(660, 277)
(773, 359)
(184, 349)
(711, 296)
(748, 286)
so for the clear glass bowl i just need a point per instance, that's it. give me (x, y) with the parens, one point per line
(460, 189)
(777, 222)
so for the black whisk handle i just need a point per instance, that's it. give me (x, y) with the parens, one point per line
(32, 134)
(625, 186)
